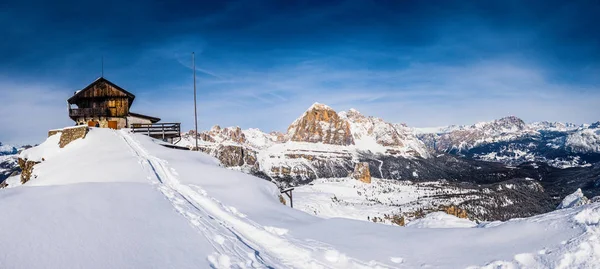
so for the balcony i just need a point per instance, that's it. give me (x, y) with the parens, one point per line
(164, 131)
(88, 112)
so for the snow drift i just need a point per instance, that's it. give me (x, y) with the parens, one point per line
(119, 200)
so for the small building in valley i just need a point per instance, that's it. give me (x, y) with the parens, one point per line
(104, 104)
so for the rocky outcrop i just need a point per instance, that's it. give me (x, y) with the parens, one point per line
(454, 211)
(26, 169)
(361, 172)
(233, 155)
(234, 134)
(321, 124)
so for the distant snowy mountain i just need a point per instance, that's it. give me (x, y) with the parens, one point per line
(8, 161)
(7, 149)
(8, 167)
(511, 141)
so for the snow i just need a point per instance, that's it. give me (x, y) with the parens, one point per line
(350, 198)
(574, 199)
(585, 140)
(441, 220)
(436, 130)
(95, 225)
(257, 139)
(120, 200)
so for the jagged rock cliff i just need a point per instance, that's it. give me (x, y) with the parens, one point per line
(321, 124)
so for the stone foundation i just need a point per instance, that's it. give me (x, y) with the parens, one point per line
(70, 134)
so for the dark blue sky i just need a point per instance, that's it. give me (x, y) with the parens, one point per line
(262, 63)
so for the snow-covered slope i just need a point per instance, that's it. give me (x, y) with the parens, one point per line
(511, 141)
(441, 220)
(119, 200)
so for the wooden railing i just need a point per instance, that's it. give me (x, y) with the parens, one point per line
(158, 130)
(88, 112)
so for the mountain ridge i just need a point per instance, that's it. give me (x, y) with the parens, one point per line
(397, 152)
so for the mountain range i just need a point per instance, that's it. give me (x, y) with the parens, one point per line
(8, 161)
(508, 168)
(511, 141)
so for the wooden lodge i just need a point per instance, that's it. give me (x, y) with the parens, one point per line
(104, 104)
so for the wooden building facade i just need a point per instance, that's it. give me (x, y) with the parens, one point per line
(104, 104)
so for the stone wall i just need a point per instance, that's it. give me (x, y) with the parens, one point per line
(53, 132)
(71, 134)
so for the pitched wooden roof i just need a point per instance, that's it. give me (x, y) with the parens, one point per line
(100, 80)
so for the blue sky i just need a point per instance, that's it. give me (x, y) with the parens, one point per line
(262, 63)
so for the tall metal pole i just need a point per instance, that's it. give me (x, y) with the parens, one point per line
(195, 109)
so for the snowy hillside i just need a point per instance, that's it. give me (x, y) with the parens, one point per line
(119, 200)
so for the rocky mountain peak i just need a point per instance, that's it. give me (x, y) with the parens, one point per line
(218, 134)
(511, 121)
(319, 106)
(320, 123)
(354, 115)
(215, 129)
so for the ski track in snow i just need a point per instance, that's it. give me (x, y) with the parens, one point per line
(238, 242)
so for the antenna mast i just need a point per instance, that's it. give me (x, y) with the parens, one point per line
(195, 109)
(102, 66)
